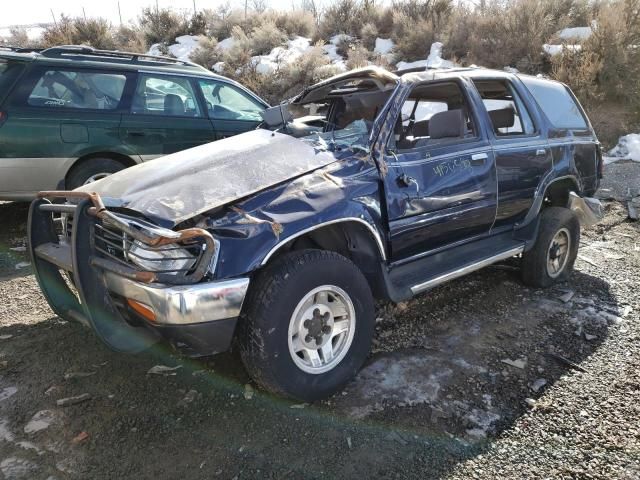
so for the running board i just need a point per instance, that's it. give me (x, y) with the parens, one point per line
(421, 287)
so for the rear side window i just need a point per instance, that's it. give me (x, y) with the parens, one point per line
(225, 102)
(508, 114)
(8, 73)
(165, 95)
(78, 89)
(557, 103)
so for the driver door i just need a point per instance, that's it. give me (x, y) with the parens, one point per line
(231, 110)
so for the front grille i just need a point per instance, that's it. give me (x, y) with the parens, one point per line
(116, 245)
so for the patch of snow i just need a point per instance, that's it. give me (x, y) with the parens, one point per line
(33, 33)
(511, 70)
(337, 59)
(383, 46)
(281, 56)
(628, 148)
(218, 67)
(183, 48)
(6, 434)
(434, 60)
(226, 44)
(575, 33)
(40, 421)
(7, 392)
(554, 50)
(15, 468)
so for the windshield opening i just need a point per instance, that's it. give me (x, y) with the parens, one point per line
(343, 120)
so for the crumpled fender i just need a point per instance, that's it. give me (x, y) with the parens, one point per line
(251, 231)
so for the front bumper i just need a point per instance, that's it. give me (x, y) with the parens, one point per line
(197, 317)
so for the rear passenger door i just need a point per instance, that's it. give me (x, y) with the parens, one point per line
(54, 116)
(522, 153)
(441, 184)
(165, 116)
(231, 109)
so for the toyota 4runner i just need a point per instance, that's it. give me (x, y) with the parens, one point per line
(369, 185)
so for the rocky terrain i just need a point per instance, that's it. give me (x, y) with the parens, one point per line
(479, 378)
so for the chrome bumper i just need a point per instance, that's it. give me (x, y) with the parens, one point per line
(184, 304)
(589, 210)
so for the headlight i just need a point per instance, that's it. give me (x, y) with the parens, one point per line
(168, 259)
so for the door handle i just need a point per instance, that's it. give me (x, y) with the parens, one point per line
(479, 158)
(541, 151)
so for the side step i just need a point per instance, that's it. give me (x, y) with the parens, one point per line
(59, 255)
(411, 278)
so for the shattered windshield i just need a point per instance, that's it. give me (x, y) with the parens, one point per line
(354, 136)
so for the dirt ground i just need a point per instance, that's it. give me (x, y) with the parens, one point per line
(478, 378)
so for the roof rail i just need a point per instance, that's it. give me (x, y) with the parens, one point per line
(12, 48)
(71, 51)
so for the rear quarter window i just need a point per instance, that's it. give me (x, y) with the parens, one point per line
(557, 103)
(9, 71)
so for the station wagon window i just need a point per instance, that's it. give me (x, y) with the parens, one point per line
(165, 95)
(557, 103)
(432, 115)
(507, 111)
(226, 102)
(8, 73)
(78, 89)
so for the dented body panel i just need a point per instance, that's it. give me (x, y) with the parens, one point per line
(408, 218)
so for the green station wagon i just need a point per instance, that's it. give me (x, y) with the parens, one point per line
(72, 115)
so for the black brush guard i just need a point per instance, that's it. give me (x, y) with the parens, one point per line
(93, 305)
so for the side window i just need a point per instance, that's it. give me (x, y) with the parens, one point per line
(433, 115)
(557, 103)
(78, 89)
(226, 102)
(507, 111)
(165, 95)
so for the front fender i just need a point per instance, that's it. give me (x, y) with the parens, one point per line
(252, 231)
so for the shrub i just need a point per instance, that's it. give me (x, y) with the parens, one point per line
(130, 39)
(368, 35)
(343, 16)
(207, 53)
(93, 31)
(266, 37)
(162, 26)
(358, 57)
(297, 22)
(413, 38)
(62, 33)
(18, 38)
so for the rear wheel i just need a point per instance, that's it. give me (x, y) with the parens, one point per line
(552, 257)
(307, 325)
(92, 170)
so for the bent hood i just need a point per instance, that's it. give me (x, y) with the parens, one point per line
(179, 186)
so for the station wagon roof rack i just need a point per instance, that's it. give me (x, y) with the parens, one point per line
(11, 48)
(77, 51)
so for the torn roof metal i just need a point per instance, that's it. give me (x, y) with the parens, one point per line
(182, 185)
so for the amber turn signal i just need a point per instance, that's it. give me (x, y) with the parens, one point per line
(141, 309)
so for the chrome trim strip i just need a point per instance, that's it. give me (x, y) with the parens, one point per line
(371, 228)
(479, 156)
(184, 304)
(421, 287)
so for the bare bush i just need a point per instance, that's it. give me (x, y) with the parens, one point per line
(207, 53)
(413, 38)
(368, 35)
(163, 25)
(266, 37)
(130, 38)
(358, 57)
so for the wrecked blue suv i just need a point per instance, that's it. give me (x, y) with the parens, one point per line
(369, 185)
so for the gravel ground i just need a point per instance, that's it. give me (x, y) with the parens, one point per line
(478, 378)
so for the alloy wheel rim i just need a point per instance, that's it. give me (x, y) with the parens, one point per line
(558, 253)
(96, 177)
(321, 329)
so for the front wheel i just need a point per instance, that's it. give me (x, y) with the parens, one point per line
(552, 256)
(307, 325)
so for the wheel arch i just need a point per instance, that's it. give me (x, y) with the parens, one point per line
(126, 160)
(352, 237)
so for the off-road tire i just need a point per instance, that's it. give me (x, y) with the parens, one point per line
(84, 170)
(534, 261)
(263, 328)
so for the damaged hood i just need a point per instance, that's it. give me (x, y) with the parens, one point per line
(179, 186)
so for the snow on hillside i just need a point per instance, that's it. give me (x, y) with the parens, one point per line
(281, 55)
(434, 60)
(34, 33)
(575, 33)
(553, 50)
(628, 147)
(383, 46)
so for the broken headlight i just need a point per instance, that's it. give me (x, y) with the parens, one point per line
(170, 259)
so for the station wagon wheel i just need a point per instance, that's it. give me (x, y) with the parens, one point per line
(91, 170)
(307, 324)
(321, 329)
(554, 252)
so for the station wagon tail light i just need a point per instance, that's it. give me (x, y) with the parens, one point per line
(3, 118)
